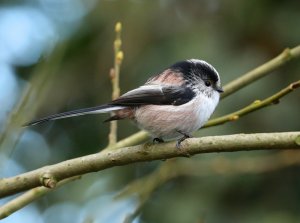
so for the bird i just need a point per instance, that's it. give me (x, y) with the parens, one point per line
(170, 105)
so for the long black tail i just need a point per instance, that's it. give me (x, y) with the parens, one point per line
(84, 111)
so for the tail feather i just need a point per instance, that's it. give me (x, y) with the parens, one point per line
(84, 111)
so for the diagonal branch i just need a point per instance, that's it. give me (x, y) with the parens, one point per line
(50, 175)
(261, 71)
(258, 104)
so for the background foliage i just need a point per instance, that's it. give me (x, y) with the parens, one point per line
(64, 51)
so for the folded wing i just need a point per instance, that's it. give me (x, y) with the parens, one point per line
(156, 95)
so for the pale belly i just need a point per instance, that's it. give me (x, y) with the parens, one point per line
(166, 121)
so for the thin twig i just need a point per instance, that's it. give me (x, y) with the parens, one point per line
(115, 76)
(258, 104)
(261, 71)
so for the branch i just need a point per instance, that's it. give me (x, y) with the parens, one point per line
(274, 99)
(115, 76)
(96, 162)
(261, 71)
(22, 200)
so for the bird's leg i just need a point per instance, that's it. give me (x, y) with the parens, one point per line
(185, 136)
(158, 140)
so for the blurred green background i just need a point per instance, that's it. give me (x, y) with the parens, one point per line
(55, 55)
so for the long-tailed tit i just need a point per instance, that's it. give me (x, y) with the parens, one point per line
(170, 105)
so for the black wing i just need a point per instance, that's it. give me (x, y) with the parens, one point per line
(156, 95)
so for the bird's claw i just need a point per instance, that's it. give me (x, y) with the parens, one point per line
(179, 141)
(158, 140)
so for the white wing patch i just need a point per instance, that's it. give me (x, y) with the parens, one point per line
(144, 89)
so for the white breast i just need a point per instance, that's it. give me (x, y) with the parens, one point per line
(164, 121)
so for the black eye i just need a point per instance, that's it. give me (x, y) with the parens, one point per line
(207, 83)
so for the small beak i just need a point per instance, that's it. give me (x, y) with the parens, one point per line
(219, 89)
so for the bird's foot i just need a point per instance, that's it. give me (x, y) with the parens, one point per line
(158, 140)
(179, 141)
